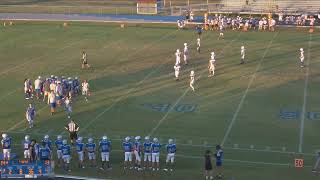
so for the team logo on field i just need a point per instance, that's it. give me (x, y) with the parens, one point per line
(167, 107)
(288, 114)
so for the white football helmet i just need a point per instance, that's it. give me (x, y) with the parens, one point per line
(137, 138)
(147, 138)
(80, 139)
(27, 137)
(90, 140)
(192, 73)
(185, 44)
(212, 53)
(52, 76)
(4, 136)
(127, 139)
(59, 137)
(39, 77)
(178, 50)
(170, 141)
(104, 137)
(46, 137)
(242, 47)
(155, 139)
(64, 142)
(301, 49)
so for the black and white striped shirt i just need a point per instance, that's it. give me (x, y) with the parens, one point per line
(72, 127)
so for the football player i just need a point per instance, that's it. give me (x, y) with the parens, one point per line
(147, 152)
(301, 57)
(91, 150)
(66, 151)
(242, 53)
(47, 142)
(68, 106)
(37, 86)
(27, 88)
(127, 147)
(137, 153)
(198, 45)
(171, 150)
(105, 147)
(178, 55)
(155, 150)
(59, 144)
(176, 71)
(85, 89)
(219, 156)
(211, 65)
(44, 152)
(84, 60)
(52, 100)
(30, 114)
(192, 80)
(46, 89)
(26, 147)
(221, 35)
(185, 53)
(80, 151)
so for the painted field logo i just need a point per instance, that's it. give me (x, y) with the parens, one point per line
(287, 114)
(166, 107)
(298, 163)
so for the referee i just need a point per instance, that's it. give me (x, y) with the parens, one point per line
(73, 129)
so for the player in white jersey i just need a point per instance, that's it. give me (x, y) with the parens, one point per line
(176, 71)
(191, 80)
(301, 57)
(37, 86)
(185, 53)
(198, 45)
(242, 53)
(221, 35)
(26, 147)
(85, 89)
(211, 65)
(178, 55)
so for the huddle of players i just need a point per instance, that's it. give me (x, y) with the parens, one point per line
(151, 150)
(57, 90)
(211, 64)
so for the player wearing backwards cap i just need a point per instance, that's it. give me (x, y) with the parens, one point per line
(185, 53)
(155, 150)
(105, 148)
(178, 57)
(26, 147)
(127, 148)
(91, 150)
(171, 150)
(80, 151)
(30, 114)
(147, 152)
(301, 57)
(242, 53)
(192, 80)
(59, 145)
(66, 151)
(211, 65)
(137, 152)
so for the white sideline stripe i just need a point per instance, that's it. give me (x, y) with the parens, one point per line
(182, 96)
(88, 124)
(305, 93)
(77, 177)
(235, 115)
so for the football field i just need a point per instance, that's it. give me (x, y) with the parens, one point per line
(265, 112)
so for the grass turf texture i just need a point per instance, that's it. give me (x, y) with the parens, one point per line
(134, 66)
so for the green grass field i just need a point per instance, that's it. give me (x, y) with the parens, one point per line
(132, 70)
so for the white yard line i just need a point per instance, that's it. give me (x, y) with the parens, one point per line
(155, 128)
(235, 115)
(305, 94)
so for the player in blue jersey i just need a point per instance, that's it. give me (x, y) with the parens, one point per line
(147, 153)
(6, 146)
(47, 141)
(30, 114)
(171, 150)
(80, 150)
(91, 150)
(26, 147)
(155, 154)
(66, 152)
(59, 144)
(44, 152)
(219, 157)
(105, 148)
(127, 148)
(137, 148)
(37, 150)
